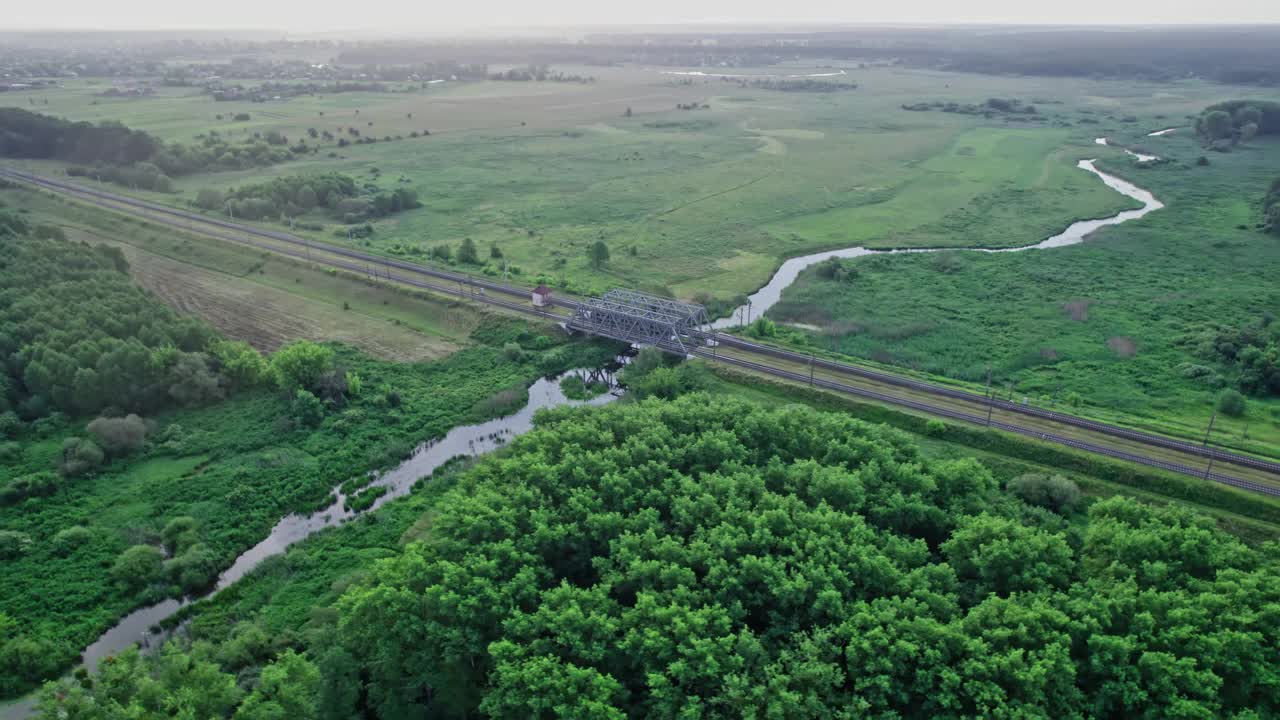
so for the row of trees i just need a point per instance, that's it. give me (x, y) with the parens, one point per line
(116, 153)
(297, 195)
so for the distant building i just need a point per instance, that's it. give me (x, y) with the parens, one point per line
(541, 296)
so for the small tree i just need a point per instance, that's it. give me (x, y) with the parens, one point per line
(1054, 492)
(13, 544)
(467, 252)
(1231, 403)
(119, 436)
(599, 254)
(495, 252)
(1217, 125)
(627, 112)
(79, 456)
(300, 365)
(138, 566)
(210, 199)
(307, 410)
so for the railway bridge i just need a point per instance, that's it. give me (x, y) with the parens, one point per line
(643, 319)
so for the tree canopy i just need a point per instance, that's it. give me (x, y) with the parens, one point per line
(77, 336)
(703, 558)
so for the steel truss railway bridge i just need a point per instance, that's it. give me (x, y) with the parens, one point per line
(642, 319)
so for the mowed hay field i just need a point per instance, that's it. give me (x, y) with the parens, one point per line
(694, 202)
(262, 298)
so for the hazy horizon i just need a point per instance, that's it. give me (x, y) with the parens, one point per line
(394, 17)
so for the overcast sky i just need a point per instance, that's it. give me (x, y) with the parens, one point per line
(418, 16)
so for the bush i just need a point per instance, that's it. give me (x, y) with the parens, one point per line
(935, 427)
(79, 456)
(1231, 403)
(119, 436)
(34, 485)
(13, 544)
(1054, 492)
(179, 533)
(512, 352)
(193, 570)
(66, 541)
(306, 409)
(138, 567)
(762, 327)
(10, 425)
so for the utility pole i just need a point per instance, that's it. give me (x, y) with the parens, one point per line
(991, 401)
(1208, 468)
(748, 311)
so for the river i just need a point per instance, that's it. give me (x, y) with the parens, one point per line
(464, 440)
(769, 295)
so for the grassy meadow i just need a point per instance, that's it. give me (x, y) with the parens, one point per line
(706, 203)
(1109, 320)
(691, 202)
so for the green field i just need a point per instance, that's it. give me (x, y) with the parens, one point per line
(706, 203)
(710, 200)
(1109, 320)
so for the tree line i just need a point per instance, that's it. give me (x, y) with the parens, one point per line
(293, 196)
(110, 151)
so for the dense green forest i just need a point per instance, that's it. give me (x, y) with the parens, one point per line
(718, 559)
(77, 336)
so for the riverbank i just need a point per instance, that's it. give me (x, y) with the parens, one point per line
(759, 302)
(236, 471)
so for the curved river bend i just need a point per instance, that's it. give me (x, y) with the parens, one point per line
(768, 296)
(464, 440)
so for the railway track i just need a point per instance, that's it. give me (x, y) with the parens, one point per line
(428, 278)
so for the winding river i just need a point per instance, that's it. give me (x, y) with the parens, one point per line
(768, 296)
(464, 440)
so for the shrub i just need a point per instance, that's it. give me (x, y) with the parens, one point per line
(306, 409)
(179, 533)
(10, 425)
(71, 538)
(1231, 403)
(138, 567)
(762, 327)
(1054, 492)
(79, 456)
(13, 544)
(119, 436)
(935, 427)
(512, 352)
(34, 485)
(193, 570)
